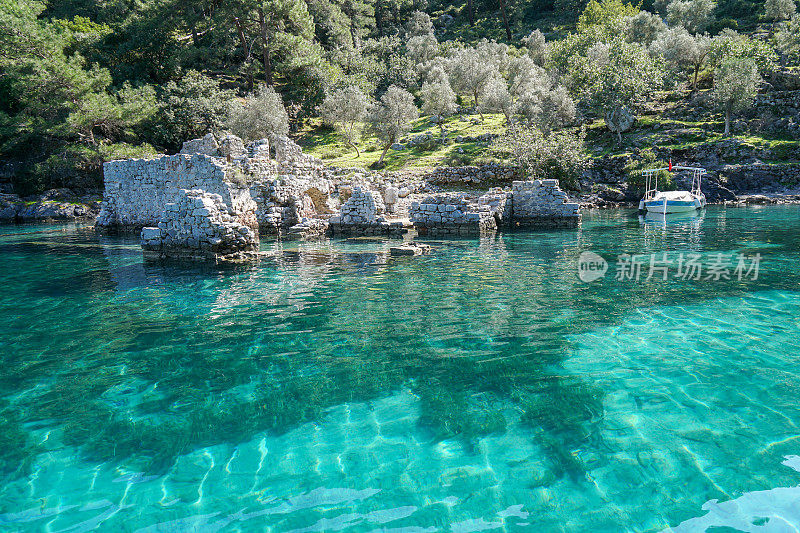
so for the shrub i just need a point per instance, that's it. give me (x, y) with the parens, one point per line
(558, 155)
(261, 115)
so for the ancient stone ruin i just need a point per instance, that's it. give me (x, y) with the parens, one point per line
(530, 203)
(268, 186)
(360, 215)
(216, 197)
(542, 203)
(286, 201)
(198, 225)
(268, 183)
(451, 214)
(137, 190)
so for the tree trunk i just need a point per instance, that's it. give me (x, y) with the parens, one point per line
(505, 18)
(470, 13)
(379, 17)
(696, 75)
(266, 44)
(191, 17)
(475, 99)
(619, 137)
(358, 154)
(383, 154)
(727, 121)
(242, 39)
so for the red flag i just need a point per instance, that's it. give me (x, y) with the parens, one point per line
(670, 164)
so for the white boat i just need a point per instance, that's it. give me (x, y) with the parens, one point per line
(666, 202)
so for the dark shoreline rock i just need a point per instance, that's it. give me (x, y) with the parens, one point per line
(55, 204)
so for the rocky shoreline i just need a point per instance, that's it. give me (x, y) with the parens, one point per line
(64, 205)
(52, 205)
(740, 188)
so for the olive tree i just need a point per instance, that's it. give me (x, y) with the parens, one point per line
(680, 50)
(469, 71)
(694, 15)
(529, 94)
(438, 99)
(495, 97)
(736, 82)
(557, 109)
(260, 115)
(557, 155)
(730, 44)
(422, 48)
(537, 47)
(390, 117)
(644, 28)
(419, 24)
(778, 10)
(615, 78)
(787, 39)
(345, 109)
(537, 98)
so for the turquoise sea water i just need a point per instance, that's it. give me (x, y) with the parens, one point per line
(333, 388)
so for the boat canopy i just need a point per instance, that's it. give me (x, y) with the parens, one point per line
(651, 178)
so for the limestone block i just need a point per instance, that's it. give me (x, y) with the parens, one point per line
(206, 146)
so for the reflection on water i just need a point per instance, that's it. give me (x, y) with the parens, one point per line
(775, 509)
(333, 387)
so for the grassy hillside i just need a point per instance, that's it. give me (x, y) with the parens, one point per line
(664, 125)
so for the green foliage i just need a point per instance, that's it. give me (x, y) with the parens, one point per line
(345, 109)
(438, 99)
(614, 76)
(694, 15)
(557, 155)
(787, 39)
(189, 108)
(730, 44)
(80, 75)
(56, 110)
(646, 160)
(736, 83)
(608, 16)
(261, 115)
(779, 9)
(644, 28)
(680, 50)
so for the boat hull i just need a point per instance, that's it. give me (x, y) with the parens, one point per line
(666, 205)
(671, 206)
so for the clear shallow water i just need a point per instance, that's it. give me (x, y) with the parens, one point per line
(482, 388)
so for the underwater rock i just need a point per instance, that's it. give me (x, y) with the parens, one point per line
(410, 248)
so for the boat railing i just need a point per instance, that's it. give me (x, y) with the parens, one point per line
(651, 179)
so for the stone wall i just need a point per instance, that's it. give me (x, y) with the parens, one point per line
(198, 225)
(360, 215)
(274, 193)
(451, 214)
(490, 173)
(758, 177)
(499, 202)
(137, 190)
(542, 202)
(282, 203)
(363, 206)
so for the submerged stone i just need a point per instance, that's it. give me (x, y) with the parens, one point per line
(410, 248)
